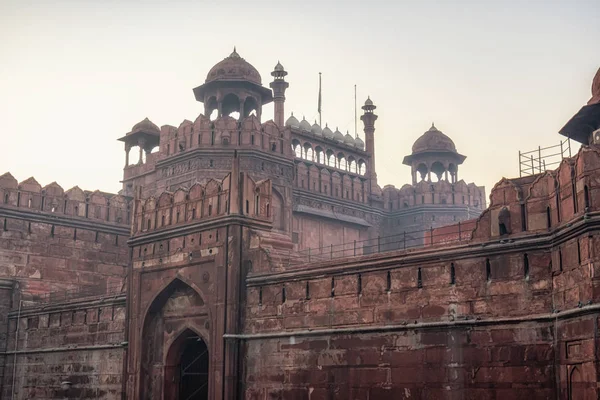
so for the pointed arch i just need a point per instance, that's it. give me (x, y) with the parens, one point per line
(176, 298)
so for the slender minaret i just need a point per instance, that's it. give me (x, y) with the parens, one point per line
(369, 118)
(279, 85)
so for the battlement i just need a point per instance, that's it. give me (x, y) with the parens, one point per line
(203, 202)
(53, 199)
(427, 193)
(222, 132)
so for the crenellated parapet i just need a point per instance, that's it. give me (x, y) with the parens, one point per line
(222, 132)
(53, 199)
(429, 193)
(542, 202)
(204, 202)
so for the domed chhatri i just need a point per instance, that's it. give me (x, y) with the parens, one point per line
(279, 67)
(327, 133)
(368, 102)
(234, 68)
(358, 143)
(348, 139)
(292, 122)
(146, 126)
(305, 125)
(316, 129)
(433, 141)
(337, 135)
(595, 89)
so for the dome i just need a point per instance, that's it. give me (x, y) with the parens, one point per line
(292, 122)
(337, 135)
(234, 68)
(368, 102)
(305, 125)
(327, 132)
(316, 129)
(278, 67)
(348, 139)
(595, 89)
(359, 144)
(146, 126)
(433, 140)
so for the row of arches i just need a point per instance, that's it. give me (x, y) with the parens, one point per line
(423, 172)
(329, 158)
(233, 106)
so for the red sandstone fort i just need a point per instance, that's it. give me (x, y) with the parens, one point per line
(251, 259)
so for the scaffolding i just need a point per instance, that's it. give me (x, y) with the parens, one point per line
(543, 158)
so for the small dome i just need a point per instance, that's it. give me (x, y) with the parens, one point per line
(316, 129)
(348, 139)
(358, 143)
(278, 67)
(305, 125)
(292, 122)
(337, 135)
(595, 89)
(433, 140)
(368, 102)
(234, 68)
(327, 132)
(146, 126)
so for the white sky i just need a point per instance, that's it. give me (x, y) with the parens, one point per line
(495, 76)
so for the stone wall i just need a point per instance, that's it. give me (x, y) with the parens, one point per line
(81, 342)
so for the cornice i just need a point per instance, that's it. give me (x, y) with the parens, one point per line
(405, 258)
(64, 220)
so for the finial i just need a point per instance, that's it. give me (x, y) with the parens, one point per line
(292, 113)
(234, 54)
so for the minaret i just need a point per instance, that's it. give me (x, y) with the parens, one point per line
(369, 118)
(279, 85)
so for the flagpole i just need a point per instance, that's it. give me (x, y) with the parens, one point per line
(320, 122)
(355, 123)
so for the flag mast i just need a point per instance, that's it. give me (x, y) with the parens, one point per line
(355, 123)
(319, 109)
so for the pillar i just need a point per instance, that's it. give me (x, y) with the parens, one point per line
(141, 144)
(127, 150)
(368, 118)
(279, 86)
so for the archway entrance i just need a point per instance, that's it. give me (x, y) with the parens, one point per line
(186, 375)
(193, 381)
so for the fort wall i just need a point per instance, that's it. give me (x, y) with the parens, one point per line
(80, 342)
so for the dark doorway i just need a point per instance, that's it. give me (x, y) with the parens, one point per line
(193, 370)
(186, 375)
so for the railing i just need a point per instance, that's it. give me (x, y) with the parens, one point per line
(72, 294)
(544, 158)
(449, 234)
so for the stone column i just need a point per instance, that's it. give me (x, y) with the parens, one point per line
(141, 144)
(279, 85)
(127, 150)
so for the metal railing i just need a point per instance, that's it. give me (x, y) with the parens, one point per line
(544, 158)
(449, 234)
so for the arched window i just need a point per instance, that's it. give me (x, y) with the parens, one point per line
(452, 274)
(548, 217)
(586, 197)
(526, 266)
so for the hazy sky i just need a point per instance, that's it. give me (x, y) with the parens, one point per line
(495, 76)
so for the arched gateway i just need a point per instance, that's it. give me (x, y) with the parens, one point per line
(186, 368)
(175, 352)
